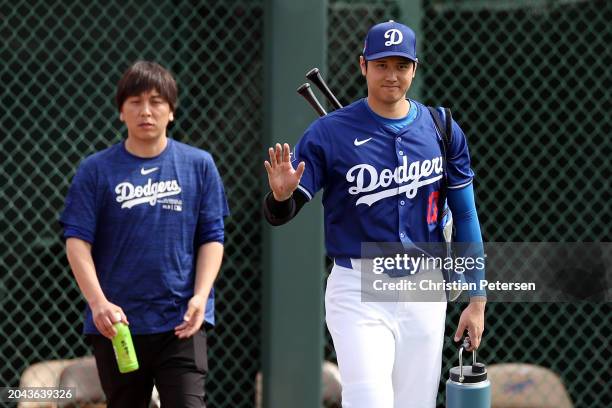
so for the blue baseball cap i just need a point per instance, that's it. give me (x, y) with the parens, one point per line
(390, 39)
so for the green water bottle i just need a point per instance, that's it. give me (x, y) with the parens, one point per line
(124, 348)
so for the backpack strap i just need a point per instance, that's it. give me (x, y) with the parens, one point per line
(446, 134)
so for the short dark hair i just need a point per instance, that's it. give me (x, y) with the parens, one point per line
(146, 76)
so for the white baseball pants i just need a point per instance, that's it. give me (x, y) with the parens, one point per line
(389, 353)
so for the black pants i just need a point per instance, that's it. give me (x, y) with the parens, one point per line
(178, 367)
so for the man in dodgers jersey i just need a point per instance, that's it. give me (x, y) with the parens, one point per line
(379, 162)
(144, 233)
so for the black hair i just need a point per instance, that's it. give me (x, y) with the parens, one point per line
(146, 76)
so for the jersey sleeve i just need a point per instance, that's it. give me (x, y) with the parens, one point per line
(79, 218)
(311, 150)
(458, 160)
(213, 206)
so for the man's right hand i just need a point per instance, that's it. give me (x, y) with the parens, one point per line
(105, 315)
(283, 179)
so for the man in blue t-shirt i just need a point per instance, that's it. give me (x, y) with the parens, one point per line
(144, 229)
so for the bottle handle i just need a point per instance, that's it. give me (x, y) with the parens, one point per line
(466, 343)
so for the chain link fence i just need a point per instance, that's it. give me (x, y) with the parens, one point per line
(528, 81)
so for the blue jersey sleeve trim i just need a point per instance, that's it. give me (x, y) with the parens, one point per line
(305, 191)
(460, 185)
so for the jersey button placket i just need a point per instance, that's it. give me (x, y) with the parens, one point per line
(400, 198)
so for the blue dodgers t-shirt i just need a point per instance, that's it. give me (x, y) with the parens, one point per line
(146, 219)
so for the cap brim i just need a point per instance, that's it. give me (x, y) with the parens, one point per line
(391, 54)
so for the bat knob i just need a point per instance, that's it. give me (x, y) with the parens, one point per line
(312, 73)
(303, 88)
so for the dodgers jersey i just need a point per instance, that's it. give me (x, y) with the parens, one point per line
(380, 184)
(146, 219)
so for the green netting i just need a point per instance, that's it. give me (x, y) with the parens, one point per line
(528, 82)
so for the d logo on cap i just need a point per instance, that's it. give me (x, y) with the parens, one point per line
(395, 37)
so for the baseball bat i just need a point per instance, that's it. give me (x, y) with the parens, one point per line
(314, 76)
(310, 97)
